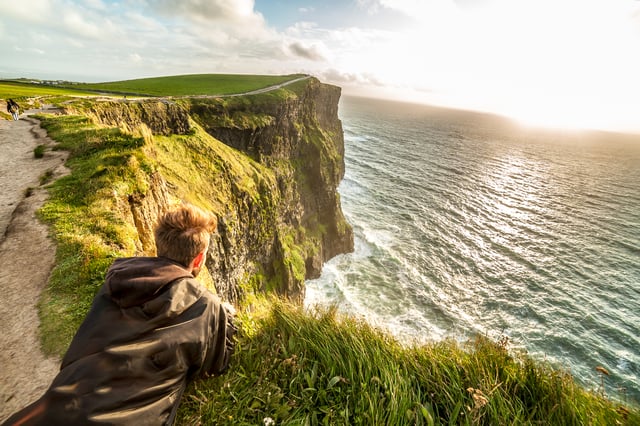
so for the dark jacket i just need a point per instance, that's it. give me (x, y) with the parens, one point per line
(151, 327)
(12, 106)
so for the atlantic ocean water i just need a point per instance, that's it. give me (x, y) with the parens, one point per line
(470, 223)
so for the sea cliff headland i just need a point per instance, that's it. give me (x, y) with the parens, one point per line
(268, 165)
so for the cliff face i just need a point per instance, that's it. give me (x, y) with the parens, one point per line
(301, 139)
(161, 117)
(275, 192)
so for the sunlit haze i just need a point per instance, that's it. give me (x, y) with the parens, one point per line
(569, 63)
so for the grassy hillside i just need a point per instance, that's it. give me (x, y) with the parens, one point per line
(180, 85)
(19, 91)
(293, 367)
(188, 85)
(30, 95)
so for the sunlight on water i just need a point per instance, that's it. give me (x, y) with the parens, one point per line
(467, 224)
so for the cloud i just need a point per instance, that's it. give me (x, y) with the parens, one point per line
(143, 23)
(312, 52)
(217, 28)
(29, 50)
(96, 4)
(371, 6)
(32, 11)
(134, 57)
(417, 9)
(299, 29)
(142, 37)
(228, 13)
(338, 77)
(346, 78)
(77, 24)
(61, 17)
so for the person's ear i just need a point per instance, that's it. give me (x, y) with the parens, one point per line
(197, 261)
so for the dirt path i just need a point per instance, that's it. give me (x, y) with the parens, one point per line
(26, 259)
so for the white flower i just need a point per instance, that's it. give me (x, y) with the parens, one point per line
(268, 421)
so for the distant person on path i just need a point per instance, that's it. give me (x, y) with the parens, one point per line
(13, 108)
(152, 327)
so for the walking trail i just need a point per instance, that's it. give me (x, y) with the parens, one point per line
(27, 256)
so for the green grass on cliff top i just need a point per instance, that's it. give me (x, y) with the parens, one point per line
(21, 90)
(179, 85)
(293, 367)
(191, 85)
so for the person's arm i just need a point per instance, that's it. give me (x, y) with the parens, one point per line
(221, 344)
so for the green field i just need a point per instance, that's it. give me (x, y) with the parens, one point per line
(180, 85)
(19, 90)
(190, 85)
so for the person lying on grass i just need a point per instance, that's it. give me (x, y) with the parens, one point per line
(152, 327)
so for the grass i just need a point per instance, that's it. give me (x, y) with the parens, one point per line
(38, 151)
(190, 85)
(202, 159)
(181, 85)
(19, 91)
(46, 177)
(300, 368)
(86, 219)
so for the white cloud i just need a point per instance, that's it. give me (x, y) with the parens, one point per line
(339, 77)
(76, 24)
(233, 14)
(31, 11)
(59, 16)
(300, 28)
(143, 23)
(96, 4)
(313, 52)
(416, 9)
(217, 29)
(29, 50)
(134, 57)
(420, 8)
(74, 42)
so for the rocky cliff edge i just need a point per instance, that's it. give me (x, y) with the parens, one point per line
(268, 165)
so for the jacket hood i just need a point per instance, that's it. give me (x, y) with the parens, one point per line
(136, 280)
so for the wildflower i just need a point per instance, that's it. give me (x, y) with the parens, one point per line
(479, 399)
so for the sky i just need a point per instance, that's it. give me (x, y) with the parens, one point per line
(564, 63)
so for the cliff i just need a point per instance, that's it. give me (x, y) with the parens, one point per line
(273, 184)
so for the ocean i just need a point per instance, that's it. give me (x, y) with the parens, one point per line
(470, 223)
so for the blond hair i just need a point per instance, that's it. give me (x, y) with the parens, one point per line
(182, 233)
